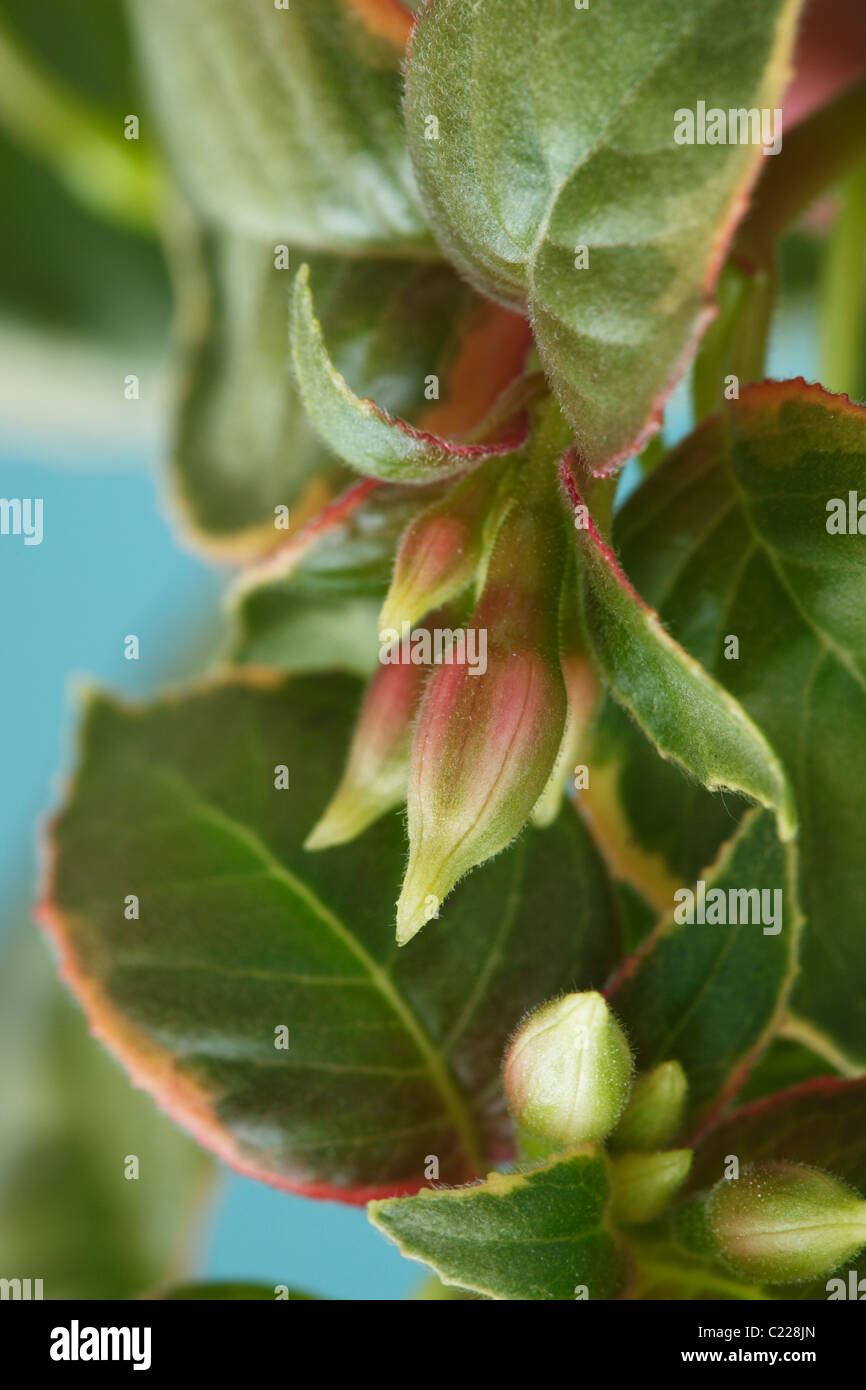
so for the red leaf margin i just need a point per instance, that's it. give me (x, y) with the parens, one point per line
(151, 1068)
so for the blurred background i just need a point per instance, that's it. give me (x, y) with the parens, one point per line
(85, 302)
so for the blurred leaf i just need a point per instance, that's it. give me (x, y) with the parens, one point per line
(393, 1056)
(285, 124)
(86, 43)
(114, 177)
(243, 444)
(68, 1215)
(65, 270)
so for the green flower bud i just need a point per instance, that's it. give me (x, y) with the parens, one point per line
(779, 1223)
(568, 1071)
(643, 1184)
(655, 1111)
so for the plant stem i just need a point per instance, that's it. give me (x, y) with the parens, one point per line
(110, 176)
(843, 327)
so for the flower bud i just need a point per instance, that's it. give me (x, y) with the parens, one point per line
(643, 1184)
(374, 780)
(486, 740)
(779, 1223)
(655, 1111)
(568, 1071)
(442, 547)
(582, 690)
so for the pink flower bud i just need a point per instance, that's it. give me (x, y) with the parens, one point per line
(442, 548)
(485, 744)
(583, 689)
(377, 768)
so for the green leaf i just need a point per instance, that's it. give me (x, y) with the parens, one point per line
(785, 1063)
(360, 431)
(243, 444)
(822, 1123)
(687, 715)
(555, 132)
(709, 995)
(729, 538)
(285, 124)
(537, 1234)
(68, 1213)
(393, 1055)
(315, 605)
(211, 1293)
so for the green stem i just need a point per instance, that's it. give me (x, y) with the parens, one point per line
(818, 153)
(736, 343)
(843, 328)
(112, 177)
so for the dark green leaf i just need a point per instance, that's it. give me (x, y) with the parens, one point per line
(393, 1055)
(729, 538)
(708, 995)
(538, 1234)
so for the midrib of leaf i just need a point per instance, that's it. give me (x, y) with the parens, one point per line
(438, 1071)
(773, 558)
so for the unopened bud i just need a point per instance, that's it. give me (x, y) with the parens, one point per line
(377, 768)
(582, 688)
(644, 1184)
(779, 1223)
(655, 1111)
(568, 1071)
(485, 743)
(442, 547)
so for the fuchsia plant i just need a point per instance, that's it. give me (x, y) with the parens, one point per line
(586, 1019)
